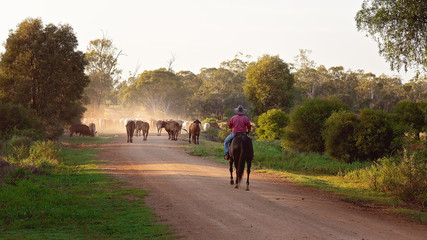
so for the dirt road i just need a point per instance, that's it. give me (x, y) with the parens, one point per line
(194, 196)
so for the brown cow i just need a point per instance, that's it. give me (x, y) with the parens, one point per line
(172, 128)
(130, 128)
(159, 125)
(195, 130)
(138, 127)
(214, 125)
(145, 127)
(81, 129)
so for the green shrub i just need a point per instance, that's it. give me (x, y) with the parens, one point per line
(39, 154)
(209, 120)
(17, 149)
(411, 114)
(339, 136)
(229, 113)
(44, 153)
(307, 123)
(271, 125)
(374, 134)
(223, 133)
(212, 134)
(404, 178)
(20, 121)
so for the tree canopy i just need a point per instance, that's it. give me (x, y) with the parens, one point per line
(43, 70)
(155, 91)
(400, 29)
(103, 72)
(269, 84)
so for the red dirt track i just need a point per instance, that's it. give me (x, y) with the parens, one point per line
(193, 195)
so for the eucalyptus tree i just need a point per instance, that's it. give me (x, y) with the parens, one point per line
(416, 89)
(400, 29)
(269, 84)
(157, 91)
(103, 71)
(308, 80)
(43, 70)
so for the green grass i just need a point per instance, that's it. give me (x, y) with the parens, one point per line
(75, 201)
(85, 140)
(269, 155)
(311, 170)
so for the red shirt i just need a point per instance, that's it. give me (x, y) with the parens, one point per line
(238, 123)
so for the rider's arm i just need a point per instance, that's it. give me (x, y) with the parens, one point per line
(248, 125)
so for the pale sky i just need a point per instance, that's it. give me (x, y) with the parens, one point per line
(205, 33)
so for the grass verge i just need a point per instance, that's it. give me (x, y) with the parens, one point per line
(312, 170)
(74, 200)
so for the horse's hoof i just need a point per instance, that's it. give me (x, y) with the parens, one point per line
(231, 182)
(236, 187)
(247, 189)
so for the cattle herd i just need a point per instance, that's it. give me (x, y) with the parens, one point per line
(140, 128)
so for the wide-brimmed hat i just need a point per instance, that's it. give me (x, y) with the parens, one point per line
(240, 110)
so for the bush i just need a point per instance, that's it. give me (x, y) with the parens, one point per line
(209, 120)
(307, 123)
(223, 133)
(339, 136)
(411, 114)
(17, 148)
(374, 134)
(405, 178)
(44, 153)
(40, 154)
(271, 125)
(229, 113)
(19, 121)
(212, 134)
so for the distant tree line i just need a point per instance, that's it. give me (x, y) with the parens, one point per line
(42, 70)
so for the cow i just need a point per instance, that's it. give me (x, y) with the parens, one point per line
(159, 125)
(172, 128)
(130, 128)
(138, 127)
(206, 126)
(81, 129)
(102, 123)
(185, 126)
(214, 125)
(145, 129)
(180, 122)
(92, 129)
(195, 130)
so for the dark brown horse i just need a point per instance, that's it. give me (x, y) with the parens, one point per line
(241, 151)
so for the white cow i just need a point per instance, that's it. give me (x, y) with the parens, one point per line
(102, 123)
(206, 126)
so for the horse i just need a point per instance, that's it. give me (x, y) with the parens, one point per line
(241, 151)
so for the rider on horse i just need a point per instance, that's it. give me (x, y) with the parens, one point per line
(238, 124)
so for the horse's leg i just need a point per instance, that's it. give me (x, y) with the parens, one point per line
(231, 172)
(248, 172)
(236, 165)
(189, 138)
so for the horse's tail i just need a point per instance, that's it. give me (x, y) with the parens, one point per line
(241, 161)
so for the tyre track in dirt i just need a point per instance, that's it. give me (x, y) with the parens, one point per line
(193, 195)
